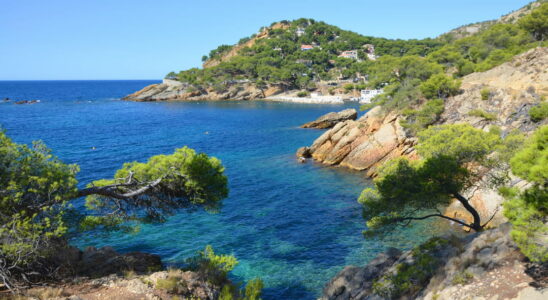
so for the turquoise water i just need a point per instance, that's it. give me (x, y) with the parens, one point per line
(293, 225)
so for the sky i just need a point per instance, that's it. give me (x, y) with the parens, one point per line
(135, 39)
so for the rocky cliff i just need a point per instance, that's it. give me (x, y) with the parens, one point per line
(514, 87)
(484, 265)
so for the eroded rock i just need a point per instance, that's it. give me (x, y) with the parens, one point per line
(331, 119)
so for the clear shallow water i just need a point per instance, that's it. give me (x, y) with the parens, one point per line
(293, 225)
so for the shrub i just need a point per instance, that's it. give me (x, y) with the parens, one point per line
(485, 94)
(302, 94)
(410, 277)
(482, 114)
(539, 112)
(427, 115)
(527, 210)
(439, 86)
(463, 278)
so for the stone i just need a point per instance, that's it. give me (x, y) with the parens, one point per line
(331, 119)
(303, 152)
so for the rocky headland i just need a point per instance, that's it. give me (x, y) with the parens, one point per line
(170, 90)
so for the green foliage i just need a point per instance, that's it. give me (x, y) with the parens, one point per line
(188, 180)
(463, 278)
(485, 94)
(527, 210)
(302, 94)
(35, 189)
(536, 22)
(428, 114)
(531, 163)
(405, 187)
(215, 269)
(539, 112)
(253, 289)
(440, 86)
(212, 266)
(409, 278)
(461, 141)
(482, 114)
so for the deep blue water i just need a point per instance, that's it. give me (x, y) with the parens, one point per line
(293, 225)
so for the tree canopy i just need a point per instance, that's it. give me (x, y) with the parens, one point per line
(36, 189)
(528, 210)
(416, 190)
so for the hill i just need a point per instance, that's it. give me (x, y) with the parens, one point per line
(307, 55)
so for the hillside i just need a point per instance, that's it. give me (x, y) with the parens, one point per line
(471, 29)
(308, 55)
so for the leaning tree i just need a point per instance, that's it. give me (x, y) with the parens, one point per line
(36, 191)
(452, 157)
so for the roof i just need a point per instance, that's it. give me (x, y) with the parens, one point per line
(307, 47)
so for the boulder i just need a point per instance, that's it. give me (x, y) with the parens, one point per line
(303, 152)
(105, 261)
(331, 119)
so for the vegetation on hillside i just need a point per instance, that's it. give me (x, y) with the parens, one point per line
(412, 72)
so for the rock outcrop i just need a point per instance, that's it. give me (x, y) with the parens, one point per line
(163, 285)
(484, 265)
(329, 120)
(169, 91)
(365, 143)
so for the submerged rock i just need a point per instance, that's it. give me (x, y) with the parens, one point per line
(331, 119)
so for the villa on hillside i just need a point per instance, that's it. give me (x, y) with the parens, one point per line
(353, 54)
(306, 47)
(367, 95)
(300, 31)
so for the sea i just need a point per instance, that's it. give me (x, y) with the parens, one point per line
(294, 225)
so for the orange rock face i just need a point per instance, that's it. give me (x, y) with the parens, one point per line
(363, 144)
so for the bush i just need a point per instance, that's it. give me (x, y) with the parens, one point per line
(302, 94)
(485, 94)
(462, 278)
(482, 114)
(539, 112)
(527, 210)
(440, 86)
(427, 115)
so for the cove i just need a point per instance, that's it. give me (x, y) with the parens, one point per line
(293, 225)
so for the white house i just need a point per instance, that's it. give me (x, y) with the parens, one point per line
(367, 95)
(350, 54)
(300, 31)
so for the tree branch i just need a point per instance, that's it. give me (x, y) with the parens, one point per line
(111, 190)
(434, 215)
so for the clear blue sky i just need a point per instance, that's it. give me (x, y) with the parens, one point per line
(133, 39)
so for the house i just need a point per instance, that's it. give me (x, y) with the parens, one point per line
(300, 31)
(277, 49)
(353, 54)
(367, 95)
(306, 47)
(370, 51)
